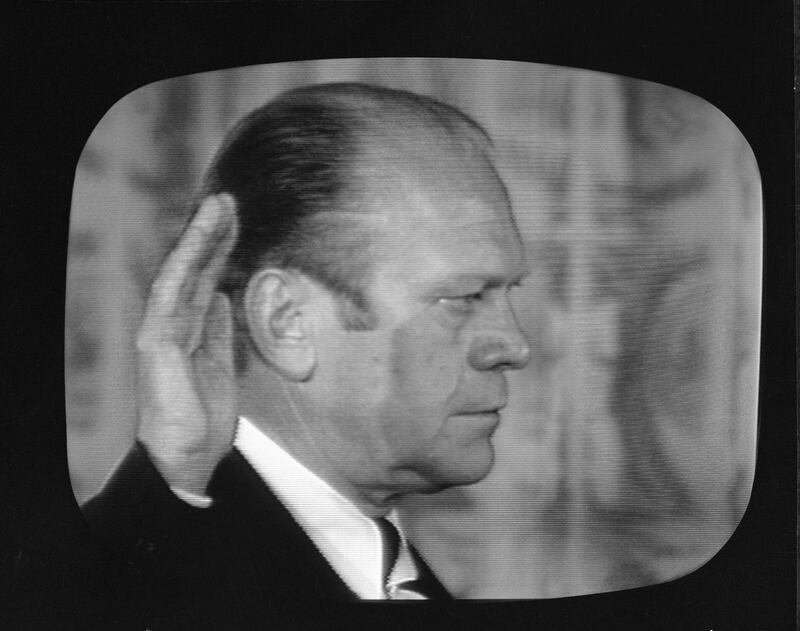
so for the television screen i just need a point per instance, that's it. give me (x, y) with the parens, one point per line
(625, 454)
(623, 449)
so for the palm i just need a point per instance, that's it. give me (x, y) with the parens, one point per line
(186, 375)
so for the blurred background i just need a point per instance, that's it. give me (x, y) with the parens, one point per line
(627, 452)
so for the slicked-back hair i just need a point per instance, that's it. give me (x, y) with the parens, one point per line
(291, 166)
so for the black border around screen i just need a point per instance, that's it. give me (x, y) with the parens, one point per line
(68, 63)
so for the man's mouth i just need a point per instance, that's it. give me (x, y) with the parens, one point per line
(489, 416)
(483, 408)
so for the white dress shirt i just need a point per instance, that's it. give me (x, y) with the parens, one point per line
(349, 540)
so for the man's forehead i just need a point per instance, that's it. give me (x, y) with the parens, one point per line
(415, 147)
(438, 214)
(427, 176)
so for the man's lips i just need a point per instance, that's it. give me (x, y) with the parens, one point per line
(487, 418)
(483, 420)
(482, 408)
(491, 415)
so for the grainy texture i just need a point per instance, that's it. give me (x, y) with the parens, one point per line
(626, 454)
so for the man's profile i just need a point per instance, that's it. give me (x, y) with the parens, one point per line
(329, 334)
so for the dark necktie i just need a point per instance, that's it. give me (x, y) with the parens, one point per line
(391, 546)
(425, 584)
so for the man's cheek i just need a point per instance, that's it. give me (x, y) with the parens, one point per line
(424, 363)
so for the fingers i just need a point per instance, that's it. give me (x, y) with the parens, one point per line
(215, 369)
(218, 333)
(200, 293)
(183, 288)
(199, 245)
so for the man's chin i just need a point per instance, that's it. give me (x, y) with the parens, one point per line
(469, 469)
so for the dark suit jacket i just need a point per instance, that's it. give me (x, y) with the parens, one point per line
(238, 564)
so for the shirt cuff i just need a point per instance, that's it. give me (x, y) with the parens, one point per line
(193, 499)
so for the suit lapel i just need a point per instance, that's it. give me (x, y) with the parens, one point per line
(273, 549)
(277, 551)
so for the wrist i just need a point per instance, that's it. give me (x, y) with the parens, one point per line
(189, 470)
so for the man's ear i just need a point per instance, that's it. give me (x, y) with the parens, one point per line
(276, 308)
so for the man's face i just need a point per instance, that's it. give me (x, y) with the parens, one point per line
(414, 402)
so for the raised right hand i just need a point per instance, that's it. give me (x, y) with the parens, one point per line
(186, 389)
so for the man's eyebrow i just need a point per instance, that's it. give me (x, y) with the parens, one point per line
(489, 281)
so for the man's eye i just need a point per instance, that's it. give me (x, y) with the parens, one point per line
(463, 303)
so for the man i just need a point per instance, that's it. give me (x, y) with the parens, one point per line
(329, 334)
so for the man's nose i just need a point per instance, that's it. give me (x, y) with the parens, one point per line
(501, 345)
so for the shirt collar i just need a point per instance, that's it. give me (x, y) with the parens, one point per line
(349, 540)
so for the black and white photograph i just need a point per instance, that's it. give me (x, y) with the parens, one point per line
(508, 312)
(351, 330)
